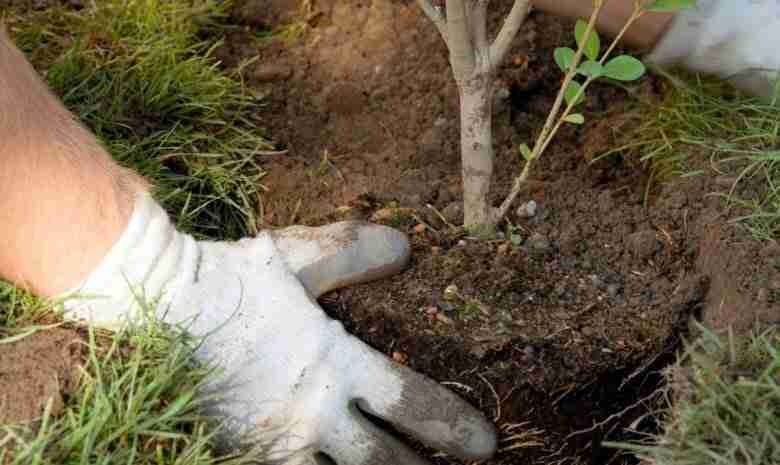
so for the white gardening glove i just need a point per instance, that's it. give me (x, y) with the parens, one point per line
(291, 378)
(738, 40)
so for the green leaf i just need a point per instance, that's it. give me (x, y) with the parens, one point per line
(564, 56)
(624, 68)
(571, 93)
(669, 6)
(575, 118)
(593, 44)
(591, 69)
(525, 151)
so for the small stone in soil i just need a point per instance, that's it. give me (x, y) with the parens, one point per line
(597, 282)
(643, 244)
(538, 243)
(269, 72)
(451, 292)
(527, 210)
(420, 228)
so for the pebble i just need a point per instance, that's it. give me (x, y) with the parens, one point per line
(538, 243)
(420, 228)
(435, 251)
(400, 357)
(451, 292)
(527, 210)
(643, 244)
(269, 72)
(613, 290)
(501, 99)
(598, 282)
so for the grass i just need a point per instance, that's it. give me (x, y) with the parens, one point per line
(135, 401)
(140, 75)
(723, 395)
(705, 120)
(726, 404)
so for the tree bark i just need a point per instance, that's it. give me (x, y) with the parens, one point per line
(476, 139)
(474, 62)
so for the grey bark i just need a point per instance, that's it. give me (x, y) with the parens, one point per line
(474, 60)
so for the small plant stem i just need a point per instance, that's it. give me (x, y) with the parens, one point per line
(554, 120)
(634, 16)
(549, 124)
(588, 81)
(503, 40)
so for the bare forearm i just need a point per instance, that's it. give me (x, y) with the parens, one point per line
(63, 200)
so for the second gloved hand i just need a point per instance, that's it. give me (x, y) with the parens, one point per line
(291, 379)
(737, 40)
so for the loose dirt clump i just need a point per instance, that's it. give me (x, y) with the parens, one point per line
(35, 370)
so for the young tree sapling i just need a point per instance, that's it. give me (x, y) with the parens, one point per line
(474, 60)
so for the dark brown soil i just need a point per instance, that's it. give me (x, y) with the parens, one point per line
(557, 330)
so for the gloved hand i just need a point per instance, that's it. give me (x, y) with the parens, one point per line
(737, 40)
(291, 378)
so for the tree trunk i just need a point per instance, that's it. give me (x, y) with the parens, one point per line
(476, 140)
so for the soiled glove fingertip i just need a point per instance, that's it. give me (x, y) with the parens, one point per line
(384, 245)
(482, 441)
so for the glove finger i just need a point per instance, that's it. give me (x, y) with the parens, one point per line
(422, 408)
(355, 441)
(341, 254)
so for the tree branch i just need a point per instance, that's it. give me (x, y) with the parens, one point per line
(459, 40)
(436, 16)
(478, 16)
(508, 32)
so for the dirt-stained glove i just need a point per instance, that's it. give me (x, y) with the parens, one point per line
(738, 40)
(291, 378)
